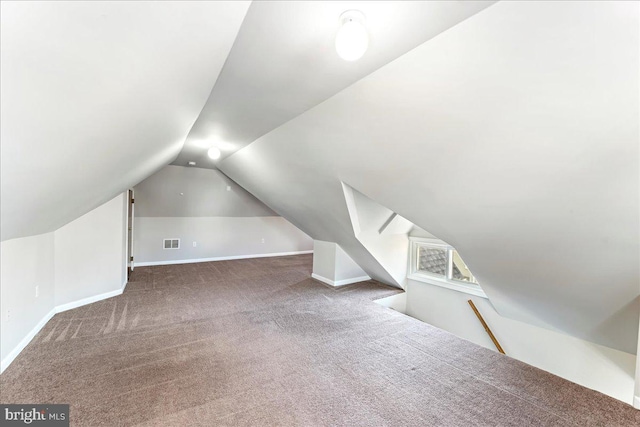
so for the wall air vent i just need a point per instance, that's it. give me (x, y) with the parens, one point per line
(172, 243)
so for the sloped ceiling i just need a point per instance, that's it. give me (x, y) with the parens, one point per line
(96, 96)
(512, 136)
(284, 62)
(512, 133)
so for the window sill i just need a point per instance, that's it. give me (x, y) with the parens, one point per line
(456, 286)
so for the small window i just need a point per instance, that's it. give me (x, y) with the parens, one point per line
(432, 260)
(435, 262)
(172, 243)
(460, 270)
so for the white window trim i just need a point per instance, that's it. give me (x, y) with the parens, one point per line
(434, 279)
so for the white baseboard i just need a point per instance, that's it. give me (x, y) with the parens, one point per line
(79, 303)
(636, 402)
(340, 282)
(222, 258)
(89, 300)
(57, 309)
(25, 341)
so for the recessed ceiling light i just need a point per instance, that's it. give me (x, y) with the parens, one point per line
(352, 39)
(214, 153)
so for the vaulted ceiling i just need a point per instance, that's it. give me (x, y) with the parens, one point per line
(284, 62)
(96, 96)
(514, 141)
(509, 130)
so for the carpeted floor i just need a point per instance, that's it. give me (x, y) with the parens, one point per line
(257, 342)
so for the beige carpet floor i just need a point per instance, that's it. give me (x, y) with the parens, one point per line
(259, 343)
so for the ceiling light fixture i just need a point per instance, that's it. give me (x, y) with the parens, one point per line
(214, 153)
(352, 39)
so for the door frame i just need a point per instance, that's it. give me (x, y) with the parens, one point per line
(130, 229)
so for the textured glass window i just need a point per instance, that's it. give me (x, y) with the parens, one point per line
(432, 260)
(460, 270)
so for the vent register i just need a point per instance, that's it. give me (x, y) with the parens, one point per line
(171, 244)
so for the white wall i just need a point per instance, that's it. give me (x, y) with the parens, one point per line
(397, 302)
(609, 371)
(81, 262)
(215, 237)
(324, 259)
(25, 263)
(419, 232)
(89, 257)
(346, 269)
(178, 191)
(332, 265)
(371, 226)
(206, 208)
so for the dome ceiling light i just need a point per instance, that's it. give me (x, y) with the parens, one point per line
(214, 153)
(352, 39)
